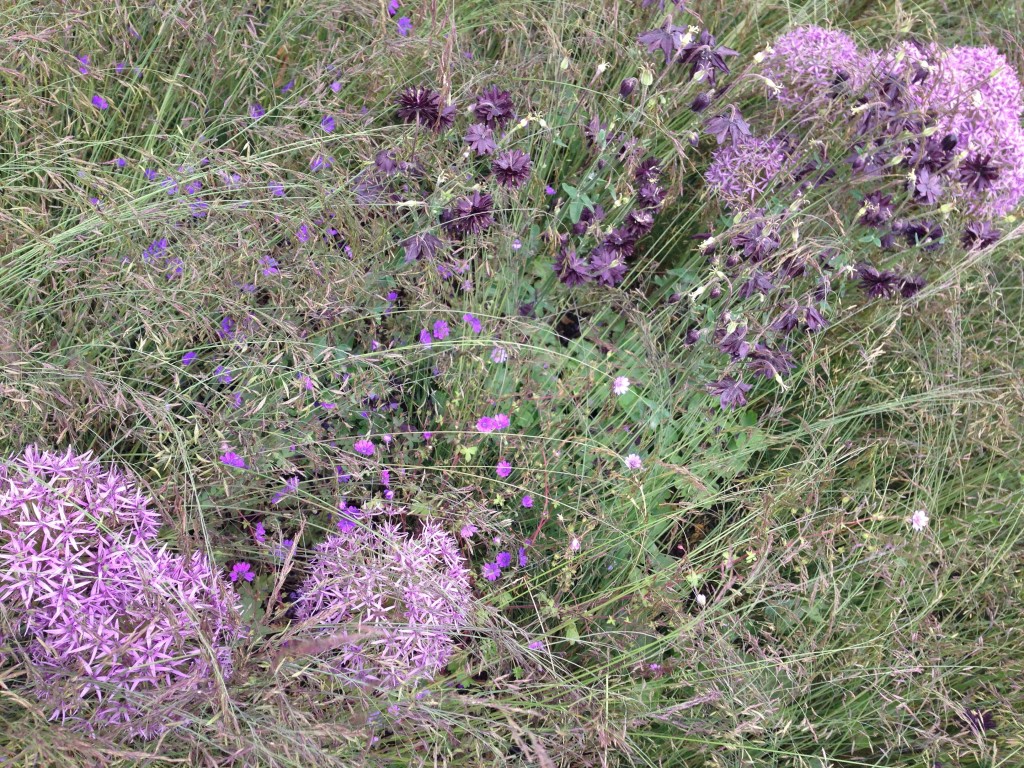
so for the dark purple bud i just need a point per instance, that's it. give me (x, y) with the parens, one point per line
(627, 87)
(949, 142)
(702, 102)
(715, 292)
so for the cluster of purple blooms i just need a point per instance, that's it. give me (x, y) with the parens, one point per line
(401, 599)
(118, 631)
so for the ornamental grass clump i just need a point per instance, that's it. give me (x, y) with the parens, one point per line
(393, 602)
(117, 632)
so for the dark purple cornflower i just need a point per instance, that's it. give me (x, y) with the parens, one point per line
(978, 172)
(471, 214)
(571, 269)
(480, 139)
(648, 171)
(589, 215)
(327, 124)
(729, 124)
(512, 169)
(607, 266)
(927, 233)
(706, 56)
(404, 26)
(730, 392)
(759, 282)
(877, 209)
(385, 162)
(980, 234)
(735, 344)
(650, 196)
(668, 39)
(419, 105)
(639, 222)
(927, 186)
(876, 284)
(786, 322)
(99, 102)
(422, 245)
(493, 107)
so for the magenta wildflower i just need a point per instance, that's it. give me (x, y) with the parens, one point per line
(504, 559)
(491, 571)
(188, 358)
(232, 459)
(99, 102)
(327, 123)
(536, 645)
(364, 447)
(425, 338)
(259, 533)
(504, 469)
(393, 6)
(474, 323)
(523, 560)
(441, 330)
(527, 501)
(242, 570)
(549, 190)
(485, 424)
(404, 26)
(501, 421)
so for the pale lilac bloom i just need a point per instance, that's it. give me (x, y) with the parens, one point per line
(634, 462)
(620, 386)
(498, 355)
(919, 520)
(468, 530)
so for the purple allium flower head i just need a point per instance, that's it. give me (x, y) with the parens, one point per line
(120, 633)
(491, 571)
(480, 139)
(99, 102)
(503, 469)
(471, 214)
(327, 123)
(404, 26)
(411, 596)
(741, 171)
(730, 393)
(504, 559)
(512, 168)
(441, 330)
(493, 108)
(473, 322)
(806, 62)
(188, 358)
(242, 570)
(364, 447)
(232, 459)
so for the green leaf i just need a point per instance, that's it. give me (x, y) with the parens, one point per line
(572, 634)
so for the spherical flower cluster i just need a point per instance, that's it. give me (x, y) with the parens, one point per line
(809, 63)
(105, 615)
(402, 598)
(742, 170)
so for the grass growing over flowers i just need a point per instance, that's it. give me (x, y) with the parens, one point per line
(753, 594)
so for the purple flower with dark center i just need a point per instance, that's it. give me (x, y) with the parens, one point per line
(470, 215)
(730, 393)
(242, 570)
(504, 559)
(728, 124)
(232, 459)
(485, 424)
(607, 266)
(668, 39)
(491, 571)
(493, 107)
(327, 123)
(512, 168)
(364, 447)
(877, 284)
(589, 216)
(759, 240)
(480, 139)
(99, 102)
(911, 285)
(979, 173)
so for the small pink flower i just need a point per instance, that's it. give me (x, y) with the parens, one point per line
(468, 530)
(620, 386)
(364, 447)
(527, 501)
(919, 520)
(504, 469)
(634, 462)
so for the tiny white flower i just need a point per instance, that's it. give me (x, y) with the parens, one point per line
(919, 520)
(621, 385)
(701, 600)
(574, 545)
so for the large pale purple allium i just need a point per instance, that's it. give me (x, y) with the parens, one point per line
(396, 601)
(742, 170)
(973, 94)
(810, 63)
(117, 631)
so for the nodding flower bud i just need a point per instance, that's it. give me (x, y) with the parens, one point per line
(627, 87)
(701, 102)
(949, 142)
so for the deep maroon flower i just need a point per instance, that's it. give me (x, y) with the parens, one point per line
(980, 235)
(877, 209)
(422, 245)
(421, 106)
(627, 87)
(877, 284)
(705, 55)
(979, 173)
(911, 285)
(512, 168)
(639, 222)
(493, 108)
(470, 215)
(480, 139)
(730, 393)
(668, 39)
